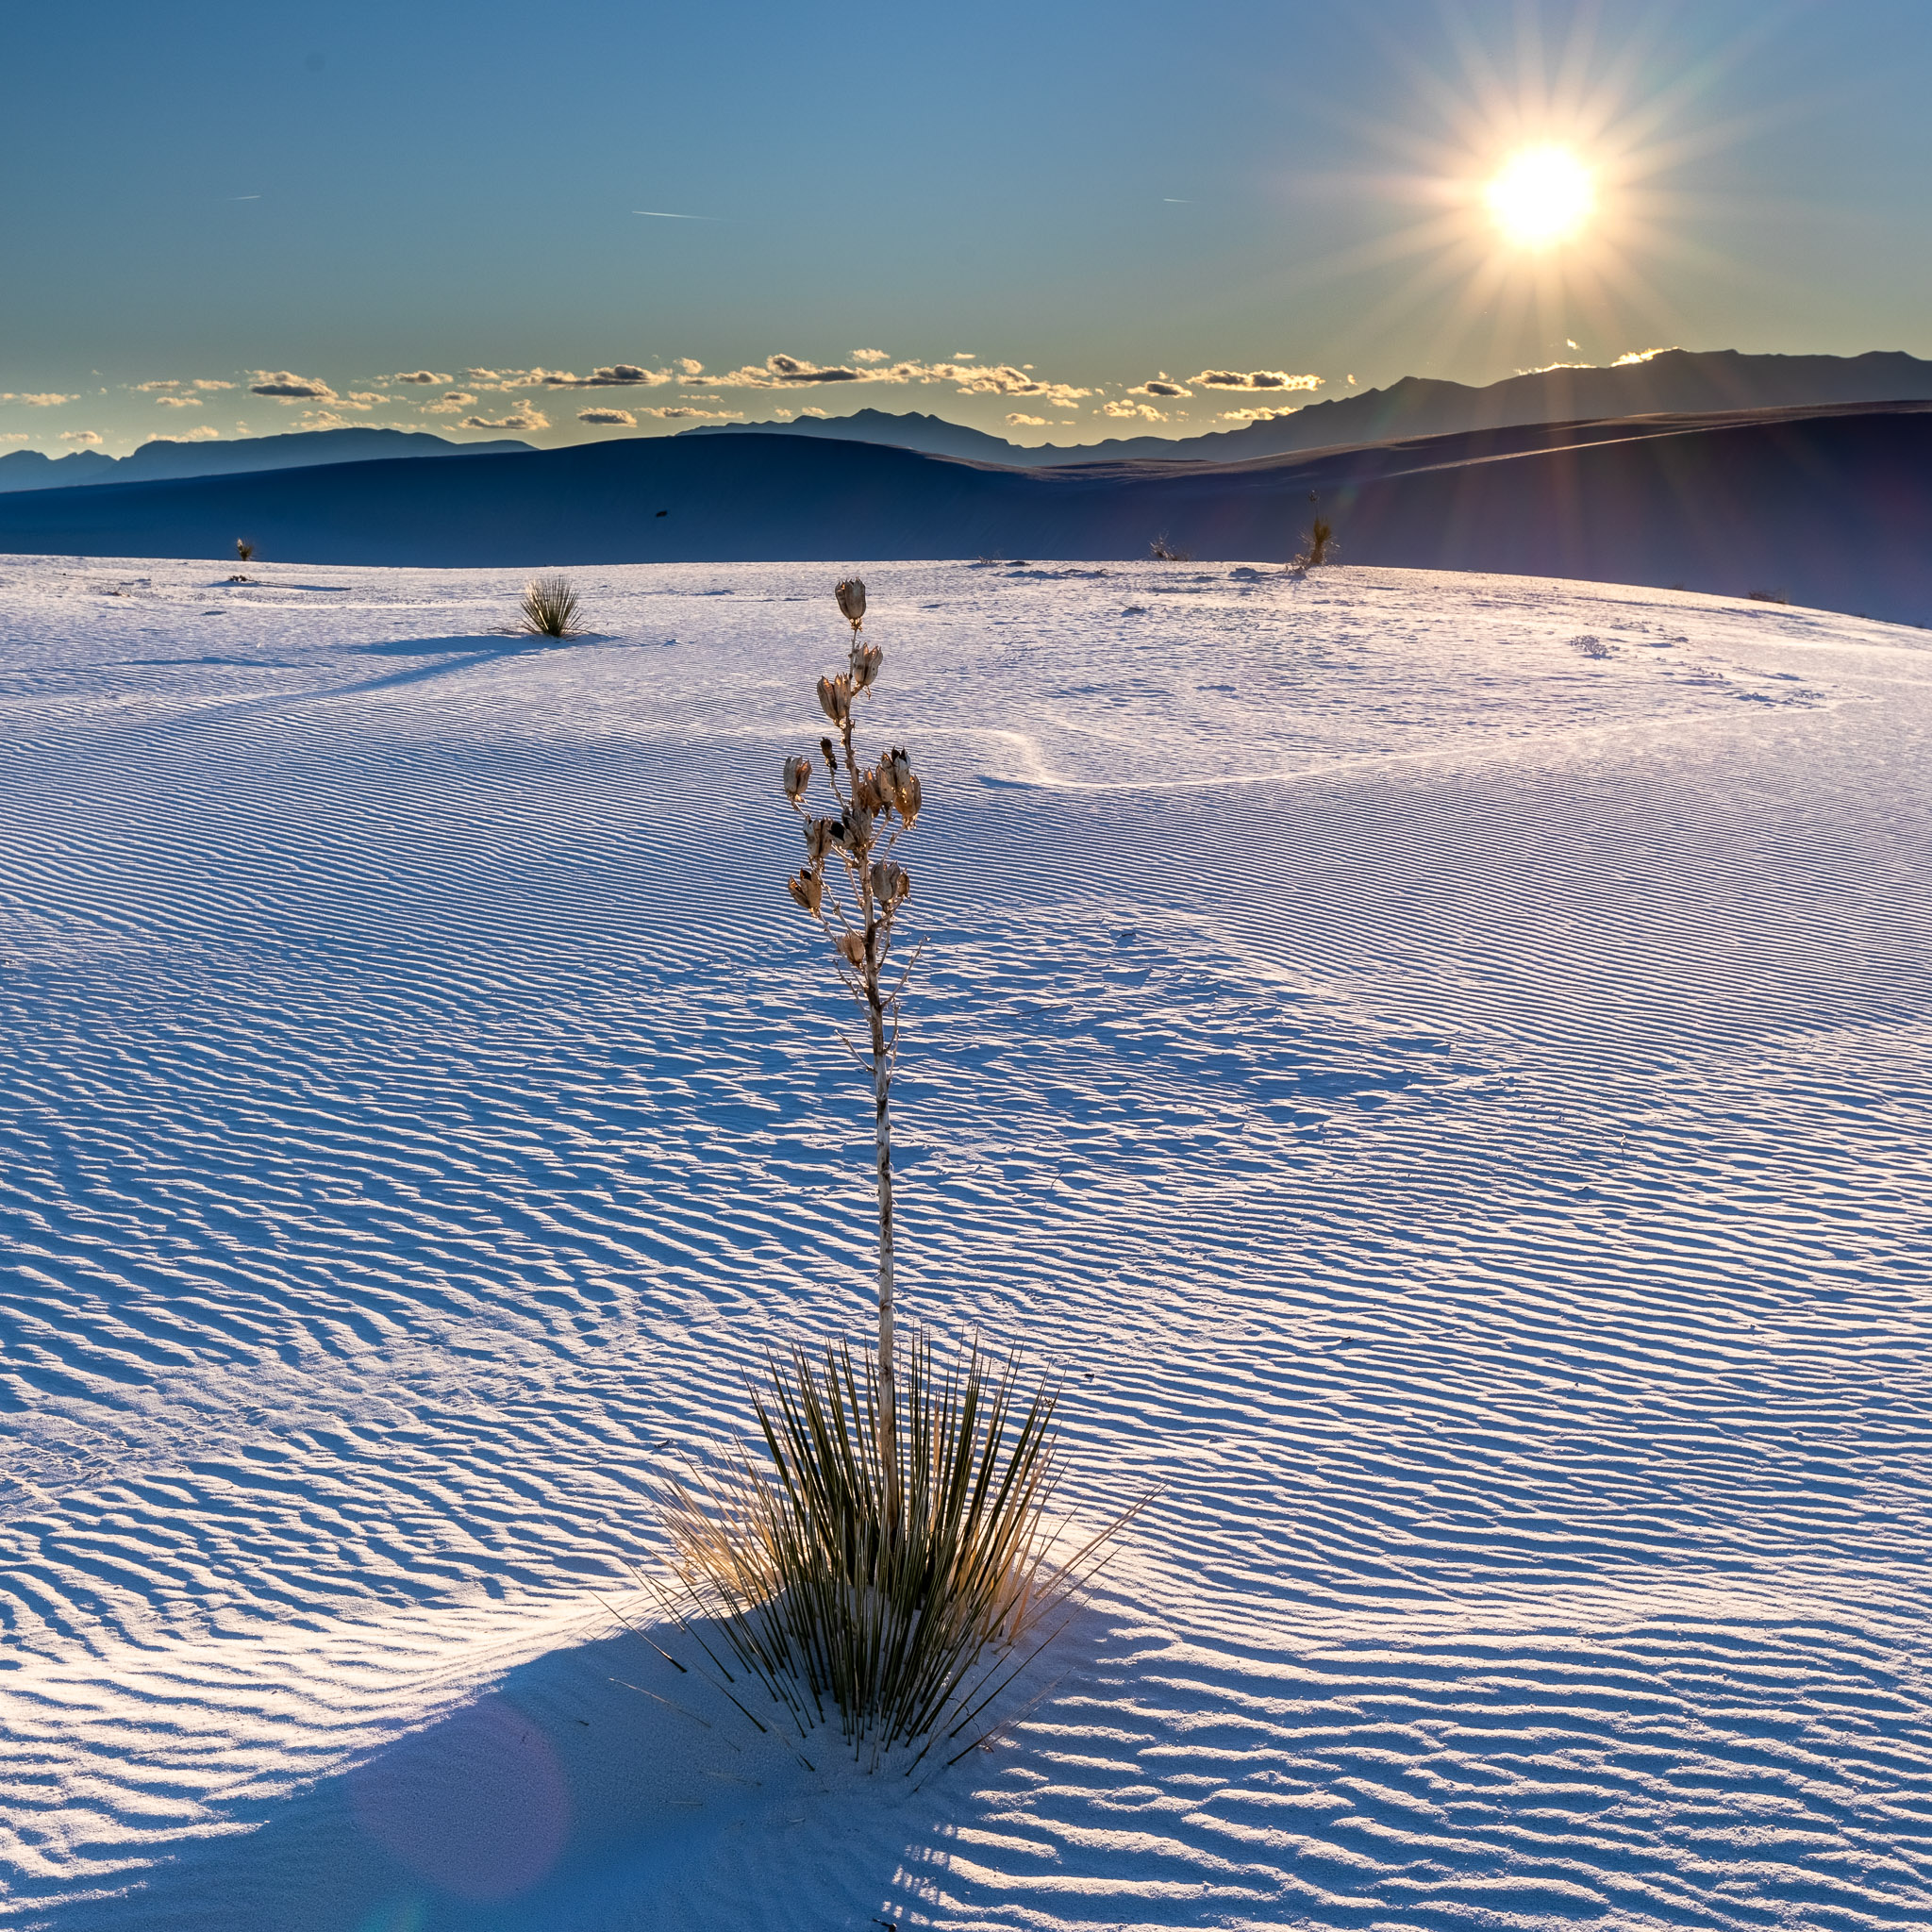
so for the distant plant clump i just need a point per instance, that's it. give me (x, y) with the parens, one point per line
(1161, 551)
(1316, 540)
(894, 1557)
(1767, 596)
(550, 608)
(245, 549)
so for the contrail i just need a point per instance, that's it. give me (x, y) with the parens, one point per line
(665, 215)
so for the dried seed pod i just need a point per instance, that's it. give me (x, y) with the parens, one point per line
(820, 835)
(891, 883)
(866, 793)
(851, 595)
(851, 947)
(835, 698)
(807, 888)
(865, 666)
(909, 799)
(797, 776)
(893, 768)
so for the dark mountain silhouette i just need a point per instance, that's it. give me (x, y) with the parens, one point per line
(1674, 381)
(31, 469)
(1831, 505)
(27, 469)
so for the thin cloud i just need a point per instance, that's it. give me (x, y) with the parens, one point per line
(675, 410)
(86, 437)
(202, 432)
(790, 372)
(870, 355)
(284, 386)
(783, 372)
(44, 400)
(426, 377)
(1004, 380)
(172, 393)
(1163, 386)
(618, 375)
(620, 418)
(16, 436)
(1020, 421)
(453, 403)
(1144, 410)
(1253, 415)
(522, 417)
(1254, 379)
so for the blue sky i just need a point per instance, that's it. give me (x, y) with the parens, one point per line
(1029, 214)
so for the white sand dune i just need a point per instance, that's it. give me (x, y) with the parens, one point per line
(1442, 1062)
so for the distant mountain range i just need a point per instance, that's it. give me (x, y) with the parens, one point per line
(1673, 381)
(1830, 507)
(153, 462)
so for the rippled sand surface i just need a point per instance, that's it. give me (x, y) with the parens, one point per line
(1442, 1063)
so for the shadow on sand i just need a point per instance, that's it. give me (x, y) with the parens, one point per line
(557, 1799)
(461, 654)
(594, 1786)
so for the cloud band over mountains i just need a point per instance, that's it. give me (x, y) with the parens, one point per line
(404, 397)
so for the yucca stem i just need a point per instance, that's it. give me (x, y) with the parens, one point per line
(882, 1143)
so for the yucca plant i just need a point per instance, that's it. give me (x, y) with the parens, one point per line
(1316, 539)
(891, 1557)
(245, 549)
(895, 1580)
(550, 608)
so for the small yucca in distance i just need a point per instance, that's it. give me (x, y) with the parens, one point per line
(1316, 539)
(245, 549)
(550, 608)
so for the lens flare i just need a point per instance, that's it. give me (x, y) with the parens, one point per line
(1543, 196)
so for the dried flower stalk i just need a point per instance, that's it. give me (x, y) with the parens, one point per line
(876, 806)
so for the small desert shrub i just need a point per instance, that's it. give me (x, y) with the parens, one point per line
(1161, 551)
(245, 549)
(1316, 540)
(1767, 596)
(550, 608)
(893, 1581)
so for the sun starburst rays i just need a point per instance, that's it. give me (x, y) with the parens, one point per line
(1548, 201)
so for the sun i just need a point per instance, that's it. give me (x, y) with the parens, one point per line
(1543, 196)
